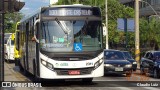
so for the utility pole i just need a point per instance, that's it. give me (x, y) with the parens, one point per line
(6, 6)
(107, 47)
(2, 42)
(137, 50)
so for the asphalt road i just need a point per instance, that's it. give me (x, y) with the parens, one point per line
(107, 82)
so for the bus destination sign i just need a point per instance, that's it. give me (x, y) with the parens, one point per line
(70, 12)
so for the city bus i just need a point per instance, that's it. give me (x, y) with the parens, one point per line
(54, 43)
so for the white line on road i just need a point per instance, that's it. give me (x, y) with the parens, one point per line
(151, 88)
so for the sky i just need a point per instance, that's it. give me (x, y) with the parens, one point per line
(33, 5)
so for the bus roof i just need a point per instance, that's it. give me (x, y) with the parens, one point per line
(57, 6)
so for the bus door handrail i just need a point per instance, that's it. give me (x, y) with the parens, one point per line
(35, 23)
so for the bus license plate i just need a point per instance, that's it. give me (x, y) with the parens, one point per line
(118, 69)
(74, 72)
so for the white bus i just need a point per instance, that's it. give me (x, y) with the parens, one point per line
(8, 47)
(53, 43)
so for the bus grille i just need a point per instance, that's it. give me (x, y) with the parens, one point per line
(83, 71)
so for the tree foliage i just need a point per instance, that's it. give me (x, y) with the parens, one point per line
(149, 32)
(10, 21)
(117, 10)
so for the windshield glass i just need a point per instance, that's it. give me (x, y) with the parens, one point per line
(61, 36)
(127, 55)
(113, 55)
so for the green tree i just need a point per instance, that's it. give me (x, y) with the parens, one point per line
(149, 33)
(10, 21)
(117, 10)
(68, 2)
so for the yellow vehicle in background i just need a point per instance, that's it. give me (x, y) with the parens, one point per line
(16, 44)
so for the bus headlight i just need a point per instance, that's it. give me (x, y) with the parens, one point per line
(47, 64)
(44, 62)
(98, 63)
(128, 65)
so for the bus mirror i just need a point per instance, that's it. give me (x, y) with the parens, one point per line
(35, 24)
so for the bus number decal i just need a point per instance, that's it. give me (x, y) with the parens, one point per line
(69, 12)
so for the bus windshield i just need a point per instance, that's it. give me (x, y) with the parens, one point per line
(60, 36)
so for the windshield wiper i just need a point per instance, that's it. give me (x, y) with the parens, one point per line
(62, 26)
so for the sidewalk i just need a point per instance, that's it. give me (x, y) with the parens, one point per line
(11, 73)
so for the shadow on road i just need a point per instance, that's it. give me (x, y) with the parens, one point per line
(114, 75)
(57, 83)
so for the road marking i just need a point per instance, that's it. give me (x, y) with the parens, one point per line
(152, 88)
